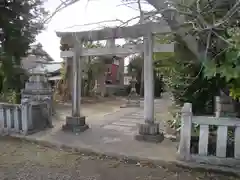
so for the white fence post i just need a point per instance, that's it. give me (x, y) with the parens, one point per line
(9, 118)
(1, 118)
(16, 119)
(185, 134)
(217, 106)
(237, 143)
(25, 116)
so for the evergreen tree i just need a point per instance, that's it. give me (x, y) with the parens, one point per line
(20, 22)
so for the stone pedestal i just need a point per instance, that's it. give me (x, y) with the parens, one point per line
(149, 133)
(75, 124)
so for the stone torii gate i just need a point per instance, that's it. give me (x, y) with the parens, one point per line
(148, 131)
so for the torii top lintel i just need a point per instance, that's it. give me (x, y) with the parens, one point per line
(135, 31)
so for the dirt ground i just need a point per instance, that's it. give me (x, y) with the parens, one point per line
(26, 161)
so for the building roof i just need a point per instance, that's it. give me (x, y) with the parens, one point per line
(48, 68)
(54, 78)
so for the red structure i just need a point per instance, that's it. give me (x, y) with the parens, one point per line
(112, 74)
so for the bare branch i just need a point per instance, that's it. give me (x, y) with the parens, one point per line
(95, 23)
(230, 13)
(223, 39)
(141, 12)
(208, 43)
(63, 5)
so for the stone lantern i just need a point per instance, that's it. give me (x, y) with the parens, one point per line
(133, 99)
(38, 95)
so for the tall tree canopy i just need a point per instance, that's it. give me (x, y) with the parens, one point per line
(214, 26)
(20, 22)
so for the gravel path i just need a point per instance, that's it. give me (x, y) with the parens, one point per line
(21, 160)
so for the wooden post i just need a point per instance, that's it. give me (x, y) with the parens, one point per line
(185, 134)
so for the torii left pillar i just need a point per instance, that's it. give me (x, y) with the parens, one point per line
(76, 122)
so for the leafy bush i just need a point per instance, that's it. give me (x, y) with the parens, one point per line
(183, 77)
(10, 97)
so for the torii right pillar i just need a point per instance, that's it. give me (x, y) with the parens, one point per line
(149, 131)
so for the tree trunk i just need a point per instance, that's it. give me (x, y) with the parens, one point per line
(174, 23)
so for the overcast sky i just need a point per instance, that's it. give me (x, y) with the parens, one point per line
(78, 14)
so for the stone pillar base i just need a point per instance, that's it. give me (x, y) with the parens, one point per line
(149, 133)
(75, 124)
